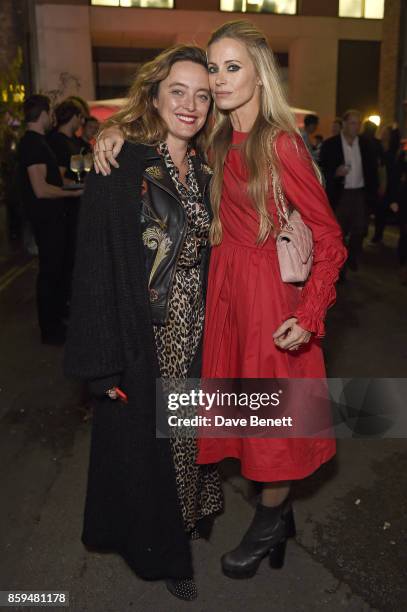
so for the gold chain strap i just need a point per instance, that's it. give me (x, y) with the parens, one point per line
(282, 212)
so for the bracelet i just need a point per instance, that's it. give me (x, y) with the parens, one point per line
(115, 393)
(112, 393)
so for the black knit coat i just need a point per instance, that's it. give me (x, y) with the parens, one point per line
(132, 505)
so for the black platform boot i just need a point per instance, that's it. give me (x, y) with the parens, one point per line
(267, 535)
(183, 589)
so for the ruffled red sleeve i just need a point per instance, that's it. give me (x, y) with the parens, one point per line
(306, 194)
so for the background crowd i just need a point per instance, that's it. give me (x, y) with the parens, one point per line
(365, 178)
(364, 170)
(44, 162)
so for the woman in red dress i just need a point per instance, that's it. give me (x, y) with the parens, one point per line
(257, 326)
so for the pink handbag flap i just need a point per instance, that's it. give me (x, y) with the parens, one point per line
(301, 238)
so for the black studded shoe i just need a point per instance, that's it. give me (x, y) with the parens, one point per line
(266, 535)
(183, 589)
(194, 534)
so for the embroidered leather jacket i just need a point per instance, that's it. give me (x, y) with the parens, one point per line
(164, 226)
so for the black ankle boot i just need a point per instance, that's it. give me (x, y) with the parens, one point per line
(183, 589)
(267, 535)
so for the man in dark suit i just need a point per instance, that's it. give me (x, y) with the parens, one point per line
(351, 175)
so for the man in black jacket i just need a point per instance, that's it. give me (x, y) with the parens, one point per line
(351, 174)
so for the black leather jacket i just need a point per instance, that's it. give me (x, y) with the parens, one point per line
(164, 226)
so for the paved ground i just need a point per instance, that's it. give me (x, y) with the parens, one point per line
(350, 551)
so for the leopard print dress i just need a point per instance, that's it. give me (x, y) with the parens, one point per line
(199, 486)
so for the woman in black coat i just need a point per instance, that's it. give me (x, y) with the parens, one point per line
(138, 315)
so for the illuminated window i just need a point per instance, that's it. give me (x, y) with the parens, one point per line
(369, 9)
(168, 4)
(284, 7)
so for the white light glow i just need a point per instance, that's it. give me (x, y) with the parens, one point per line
(227, 5)
(370, 9)
(106, 2)
(284, 7)
(375, 119)
(350, 8)
(374, 9)
(135, 3)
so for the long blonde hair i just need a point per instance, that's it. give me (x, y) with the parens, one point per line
(258, 151)
(139, 120)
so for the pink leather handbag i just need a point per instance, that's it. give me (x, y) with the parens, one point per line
(294, 243)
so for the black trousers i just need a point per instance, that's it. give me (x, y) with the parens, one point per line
(72, 207)
(381, 216)
(14, 217)
(352, 214)
(50, 235)
(402, 245)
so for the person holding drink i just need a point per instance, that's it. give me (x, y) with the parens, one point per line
(45, 202)
(62, 140)
(67, 150)
(352, 179)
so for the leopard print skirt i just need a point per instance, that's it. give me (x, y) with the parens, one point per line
(199, 486)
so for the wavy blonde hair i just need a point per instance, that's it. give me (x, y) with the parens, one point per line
(259, 151)
(139, 120)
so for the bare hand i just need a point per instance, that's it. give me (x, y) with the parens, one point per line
(394, 207)
(342, 170)
(290, 336)
(107, 148)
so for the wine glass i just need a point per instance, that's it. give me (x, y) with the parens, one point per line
(77, 166)
(87, 162)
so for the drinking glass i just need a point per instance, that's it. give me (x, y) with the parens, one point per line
(87, 162)
(77, 166)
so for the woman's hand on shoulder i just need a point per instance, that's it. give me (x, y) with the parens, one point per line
(291, 336)
(108, 146)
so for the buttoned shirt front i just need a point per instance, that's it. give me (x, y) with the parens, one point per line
(353, 159)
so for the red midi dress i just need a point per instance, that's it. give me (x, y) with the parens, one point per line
(247, 301)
